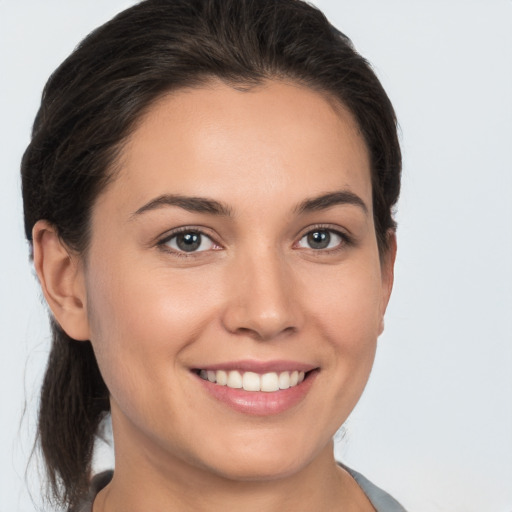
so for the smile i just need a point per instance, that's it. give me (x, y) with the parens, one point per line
(258, 388)
(251, 381)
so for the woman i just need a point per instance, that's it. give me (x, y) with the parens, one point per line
(208, 194)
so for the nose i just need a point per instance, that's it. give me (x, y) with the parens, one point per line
(262, 298)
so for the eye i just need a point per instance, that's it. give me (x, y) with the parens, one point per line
(319, 239)
(189, 241)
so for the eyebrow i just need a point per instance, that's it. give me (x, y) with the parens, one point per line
(213, 207)
(325, 201)
(191, 204)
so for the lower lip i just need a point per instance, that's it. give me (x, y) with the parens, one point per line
(260, 403)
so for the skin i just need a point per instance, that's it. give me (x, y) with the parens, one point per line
(257, 291)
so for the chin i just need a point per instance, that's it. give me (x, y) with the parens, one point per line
(263, 461)
(260, 469)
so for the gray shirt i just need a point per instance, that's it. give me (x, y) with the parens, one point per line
(381, 500)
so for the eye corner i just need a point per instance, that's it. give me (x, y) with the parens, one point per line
(187, 241)
(323, 239)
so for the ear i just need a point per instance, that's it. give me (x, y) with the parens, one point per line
(60, 272)
(387, 265)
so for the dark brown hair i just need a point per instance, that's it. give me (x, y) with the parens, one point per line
(93, 101)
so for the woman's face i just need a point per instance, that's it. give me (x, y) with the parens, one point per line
(236, 245)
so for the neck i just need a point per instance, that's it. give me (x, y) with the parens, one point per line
(144, 480)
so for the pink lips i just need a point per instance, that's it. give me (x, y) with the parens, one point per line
(260, 403)
(261, 366)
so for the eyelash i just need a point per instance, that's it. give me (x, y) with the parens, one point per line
(163, 243)
(346, 240)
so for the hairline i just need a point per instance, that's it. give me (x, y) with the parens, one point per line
(207, 81)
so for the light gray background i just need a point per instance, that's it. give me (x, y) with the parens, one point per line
(434, 426)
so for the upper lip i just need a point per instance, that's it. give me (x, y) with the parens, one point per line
(247, 365)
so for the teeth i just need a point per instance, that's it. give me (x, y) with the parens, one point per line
(250, 381)
(269, 382)
(284, 380)
(234, 380)
(222, 377)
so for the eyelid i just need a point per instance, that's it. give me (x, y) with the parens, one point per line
(347, 239)
(164, 239)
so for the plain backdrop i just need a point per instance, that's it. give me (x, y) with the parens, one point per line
(434, 426)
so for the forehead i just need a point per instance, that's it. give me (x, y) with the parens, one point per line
(216, 140)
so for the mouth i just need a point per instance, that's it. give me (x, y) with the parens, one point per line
(269, 382)
(258, 388)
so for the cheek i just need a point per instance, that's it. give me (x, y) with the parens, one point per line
(347, 303)
(140, 322)
(348, 315)
(132, 301)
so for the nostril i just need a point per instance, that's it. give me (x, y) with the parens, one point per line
(261, 309)
(265, 333)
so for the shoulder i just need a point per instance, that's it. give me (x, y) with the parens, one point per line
(381, 500)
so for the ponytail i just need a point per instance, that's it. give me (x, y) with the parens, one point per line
(73, 401)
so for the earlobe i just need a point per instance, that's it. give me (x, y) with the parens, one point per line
(61, 277)
(388, 274)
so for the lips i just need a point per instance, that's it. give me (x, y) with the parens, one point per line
(258, 388)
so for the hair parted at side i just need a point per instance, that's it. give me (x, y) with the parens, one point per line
(93, 101)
